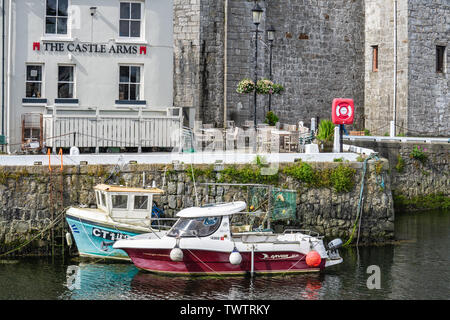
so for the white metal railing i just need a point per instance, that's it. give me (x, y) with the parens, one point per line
(81, 130)
(401, 139)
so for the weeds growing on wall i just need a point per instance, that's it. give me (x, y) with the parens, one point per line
(430, 201)
(302, 172)
(379, 166)
(418, 154)
(4, 175)
(245, 174)
(341, 178)
(400, 166)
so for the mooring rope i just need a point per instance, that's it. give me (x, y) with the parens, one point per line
(51, 225)
(358, 210)
(203, 262)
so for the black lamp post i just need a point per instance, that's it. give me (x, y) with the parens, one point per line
(257, 15)
(270, 38)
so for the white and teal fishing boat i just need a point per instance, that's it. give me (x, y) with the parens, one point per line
(121, 212)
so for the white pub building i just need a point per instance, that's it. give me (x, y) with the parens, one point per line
(92, 74)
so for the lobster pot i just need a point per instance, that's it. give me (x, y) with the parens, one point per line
(284, 204)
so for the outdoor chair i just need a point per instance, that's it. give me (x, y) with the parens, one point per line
(231, 137)
(291, 127)
(200, 140)
(263, 139)
(293, 141)
(230, 124)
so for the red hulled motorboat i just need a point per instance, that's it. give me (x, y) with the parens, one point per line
(204, 242)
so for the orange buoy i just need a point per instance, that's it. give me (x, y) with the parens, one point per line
(313, 259)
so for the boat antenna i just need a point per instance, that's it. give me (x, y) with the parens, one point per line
(143, 179)
(195, 188)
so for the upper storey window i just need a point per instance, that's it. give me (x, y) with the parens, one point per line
(374, 58)
(56, 17)
(440, 60)
(130, 19)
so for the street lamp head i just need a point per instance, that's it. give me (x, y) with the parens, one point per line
(257, 12)
(271, 34)
(93, 10)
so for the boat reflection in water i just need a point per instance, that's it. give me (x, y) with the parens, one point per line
(291, 287)
(89, 281)
(124, 281)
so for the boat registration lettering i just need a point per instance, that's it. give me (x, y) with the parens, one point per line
(108, 235)
(219, 238)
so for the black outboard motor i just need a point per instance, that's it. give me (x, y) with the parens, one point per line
(332, 248)
(335, 244)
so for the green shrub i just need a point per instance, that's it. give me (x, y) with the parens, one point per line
(260, 161)
(271, 118)
(342, 178)
(326, 131)
(302, 172)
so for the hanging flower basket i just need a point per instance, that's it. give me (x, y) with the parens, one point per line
(245, 86)
(263, 86)
(277, 88)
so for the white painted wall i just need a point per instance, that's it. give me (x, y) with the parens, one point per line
(96, 74)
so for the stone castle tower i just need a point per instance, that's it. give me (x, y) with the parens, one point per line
(322, 50)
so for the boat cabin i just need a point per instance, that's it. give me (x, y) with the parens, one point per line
(207, 220)
(126, 204)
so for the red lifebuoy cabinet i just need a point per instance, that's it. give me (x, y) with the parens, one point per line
(343, 111)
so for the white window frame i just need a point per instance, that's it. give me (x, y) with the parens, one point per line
(134, 202)
(74, 96)
(57, 35)
(141, 81)
(120, 194)
(42, 79)
(141, 20)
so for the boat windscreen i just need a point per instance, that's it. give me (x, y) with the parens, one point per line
(195, 227)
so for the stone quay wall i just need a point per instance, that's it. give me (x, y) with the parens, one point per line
(416, 184)
(29, 194)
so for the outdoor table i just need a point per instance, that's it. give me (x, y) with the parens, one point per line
(281, 134)
(211, 135)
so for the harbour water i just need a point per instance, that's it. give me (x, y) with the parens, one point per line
(415, 267)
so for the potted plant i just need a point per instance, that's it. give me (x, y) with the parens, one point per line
(271, 119)
(326, 135)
